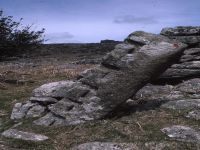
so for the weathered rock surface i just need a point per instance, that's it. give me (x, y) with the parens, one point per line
(195, 114)
(185, 34)
(143, 38)
(98, 91)
(189, 64)
(183, 96)
(105, 146)
(181, 31)
(28, 110)
(54, 89)
(159, 145)
(184, 91)
(182, 133)
(13, 133)
(183, 104)
(50, 119)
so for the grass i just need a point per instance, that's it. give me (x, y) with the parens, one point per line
(139, 127)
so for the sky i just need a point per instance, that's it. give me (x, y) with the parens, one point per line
(88, 21)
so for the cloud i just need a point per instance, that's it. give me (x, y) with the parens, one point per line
(130, 19)
(59, 37)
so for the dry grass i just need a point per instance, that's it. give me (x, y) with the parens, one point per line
(139, 128)
(49, 72)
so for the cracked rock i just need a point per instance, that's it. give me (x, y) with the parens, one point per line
(183, 104)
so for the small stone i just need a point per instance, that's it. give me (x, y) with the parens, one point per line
(62, 108)
(194, 115)
(35, 111)
(19, 111)
(13, 133)
(190, 87)
(93, 76)
(158, 145)
(154, 92)
(50, 120)
(28, 110)
(76, 92)
(105, 146)
(182, 133)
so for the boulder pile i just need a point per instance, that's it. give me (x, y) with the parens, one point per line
(125, 70)
(189, 65)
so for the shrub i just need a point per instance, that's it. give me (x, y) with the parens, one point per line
(15, 39)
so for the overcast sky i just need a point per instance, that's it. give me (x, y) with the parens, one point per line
(94, 20)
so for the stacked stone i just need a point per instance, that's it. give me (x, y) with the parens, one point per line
(189, 64)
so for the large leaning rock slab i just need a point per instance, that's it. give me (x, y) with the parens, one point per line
(136, 70)
(13, 133)
(182, 133)
(120, 75)
(105, 146)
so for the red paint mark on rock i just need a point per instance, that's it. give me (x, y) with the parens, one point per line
(176, 45)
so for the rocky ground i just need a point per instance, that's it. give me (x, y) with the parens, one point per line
(162, 115)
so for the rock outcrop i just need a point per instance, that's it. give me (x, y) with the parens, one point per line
(185, 34)
(189, 64)
(122, 72)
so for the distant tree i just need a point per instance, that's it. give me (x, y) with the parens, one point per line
(16, 39)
